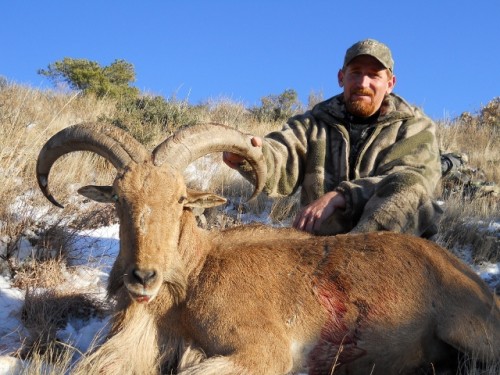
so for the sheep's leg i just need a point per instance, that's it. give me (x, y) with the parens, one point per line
(216, 366)
(476, 333)
(230, 366)
(259, 361)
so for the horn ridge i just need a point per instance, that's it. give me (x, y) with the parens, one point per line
(190, 143)
(114, 144)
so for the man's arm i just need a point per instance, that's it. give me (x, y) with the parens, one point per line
(285, 155)
(399, 197)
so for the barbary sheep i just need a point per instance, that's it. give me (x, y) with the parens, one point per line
(259, 300)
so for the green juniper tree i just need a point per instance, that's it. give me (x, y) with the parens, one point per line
(91, 78)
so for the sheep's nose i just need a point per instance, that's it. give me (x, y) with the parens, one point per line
(144, 276)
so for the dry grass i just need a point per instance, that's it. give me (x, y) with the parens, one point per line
(480, 142)
(466, 221)
(39, 274)
(47, 310)
(28, 118)
(53, 359)
(225, 111)
(472, 366)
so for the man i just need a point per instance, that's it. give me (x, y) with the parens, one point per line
(366, 159)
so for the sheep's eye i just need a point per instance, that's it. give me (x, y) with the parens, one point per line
(182, 199)
(115, 197)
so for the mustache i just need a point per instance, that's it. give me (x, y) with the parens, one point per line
(364, 91)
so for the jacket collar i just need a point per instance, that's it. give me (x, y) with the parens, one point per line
(393, 108)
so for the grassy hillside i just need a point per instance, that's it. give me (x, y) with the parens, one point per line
(28, 117)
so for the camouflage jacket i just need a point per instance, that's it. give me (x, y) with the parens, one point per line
(388, 183)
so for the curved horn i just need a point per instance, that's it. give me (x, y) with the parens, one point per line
(189, 144)
(110, 142)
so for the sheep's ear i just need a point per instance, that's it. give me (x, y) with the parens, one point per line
(101, 194)
(198, 199)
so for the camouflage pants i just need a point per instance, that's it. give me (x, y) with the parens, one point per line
(458, 175)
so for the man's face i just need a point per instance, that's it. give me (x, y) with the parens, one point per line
(366, 82)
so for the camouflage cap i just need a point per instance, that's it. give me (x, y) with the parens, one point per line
(373, 48)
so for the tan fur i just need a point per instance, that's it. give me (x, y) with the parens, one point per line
(132, 328)
(257, 300)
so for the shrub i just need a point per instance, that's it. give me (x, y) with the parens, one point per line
(488, 116)
(315, 97)
(89, 77)
(148, 118)
(278, 107)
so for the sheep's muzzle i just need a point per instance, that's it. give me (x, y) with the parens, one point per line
(142, 284)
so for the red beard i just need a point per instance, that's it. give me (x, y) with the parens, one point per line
(358, 107)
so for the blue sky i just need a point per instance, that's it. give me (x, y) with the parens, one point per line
(447, 53)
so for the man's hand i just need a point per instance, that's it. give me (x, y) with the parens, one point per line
(235, 160)
(314, 214)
